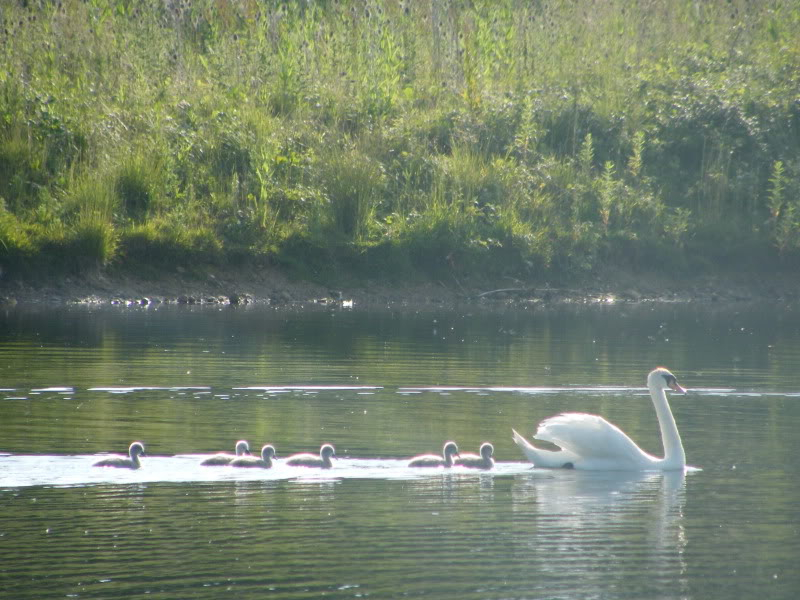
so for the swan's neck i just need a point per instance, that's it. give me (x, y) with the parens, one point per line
(673, 448)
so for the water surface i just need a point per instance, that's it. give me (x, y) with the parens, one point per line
(383, 385)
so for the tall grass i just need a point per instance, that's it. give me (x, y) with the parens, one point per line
(473, 137)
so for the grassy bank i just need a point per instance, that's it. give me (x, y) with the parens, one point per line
(398, 137)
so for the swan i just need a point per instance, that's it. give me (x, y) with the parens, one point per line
(242, 449)
(432, 460)
(484, 461)
(265, 462)
(322, 461)
(135, 450)
(590, 442)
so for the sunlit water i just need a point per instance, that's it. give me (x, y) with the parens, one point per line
(383, 385)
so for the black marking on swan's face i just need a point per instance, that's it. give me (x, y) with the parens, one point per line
(672, 382)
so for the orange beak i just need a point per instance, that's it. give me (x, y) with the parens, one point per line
(675, 386)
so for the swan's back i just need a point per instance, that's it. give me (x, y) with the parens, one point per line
(484, 461)
(432, 460)
(427, 460)
(131, 461)
(223, 458)
(121, 462)
(590, 437)
(475, 461)
(322, 461)
(263, 462)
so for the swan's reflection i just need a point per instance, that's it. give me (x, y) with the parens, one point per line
(593, 519)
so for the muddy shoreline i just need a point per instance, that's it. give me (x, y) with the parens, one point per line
(270, 286)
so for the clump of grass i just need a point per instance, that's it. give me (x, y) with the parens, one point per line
(19, 172)
(88, 238)
(17, 245)
(353, 186)
(91, 242)
(164, 245)
(136, 183)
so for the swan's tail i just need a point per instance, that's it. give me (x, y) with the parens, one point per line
(539, 457)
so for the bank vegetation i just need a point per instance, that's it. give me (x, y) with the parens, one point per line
(398, 138)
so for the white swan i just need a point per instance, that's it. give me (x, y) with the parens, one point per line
(590, 442)
(131, 461)
(265, 462)
(432, 460)
(322, 461)
(242, 449)
(484, 461)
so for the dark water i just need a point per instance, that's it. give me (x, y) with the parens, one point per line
(383, 385)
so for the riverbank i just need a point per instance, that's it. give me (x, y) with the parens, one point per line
(274, 287)
(415, 142)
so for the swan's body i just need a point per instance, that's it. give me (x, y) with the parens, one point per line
(223, 458)
(131, 461)
(433, 460)
(484, 461)
(591, 443)
(323, 461)
(265, 462)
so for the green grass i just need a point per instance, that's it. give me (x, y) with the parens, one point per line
(389, 138)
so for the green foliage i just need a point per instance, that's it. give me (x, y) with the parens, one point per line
(17, 245)
(91, 242)
(784, 210)
(353, 184)
(165, 245)
(139, 182)
(448, 137)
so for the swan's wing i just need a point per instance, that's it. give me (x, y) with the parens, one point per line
(591, 437)
(553, 459)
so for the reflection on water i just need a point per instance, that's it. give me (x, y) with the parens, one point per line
(600, 523)
(40, 470)
(383, 386)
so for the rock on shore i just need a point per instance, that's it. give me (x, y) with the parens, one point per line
(241, 287)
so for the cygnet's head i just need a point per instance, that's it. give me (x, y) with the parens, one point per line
(661, 378)
(242, 448)
(327, 451)
(450, 449)
(136, 449)
(487, 450)
(268, 453)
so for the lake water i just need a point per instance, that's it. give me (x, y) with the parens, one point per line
(383, 385)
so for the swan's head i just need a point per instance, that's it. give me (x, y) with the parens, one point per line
(661, 378)
(242, 448)
(486, 450)
(327, 452)
(450, 449)
(268, 453)
(136, 449)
